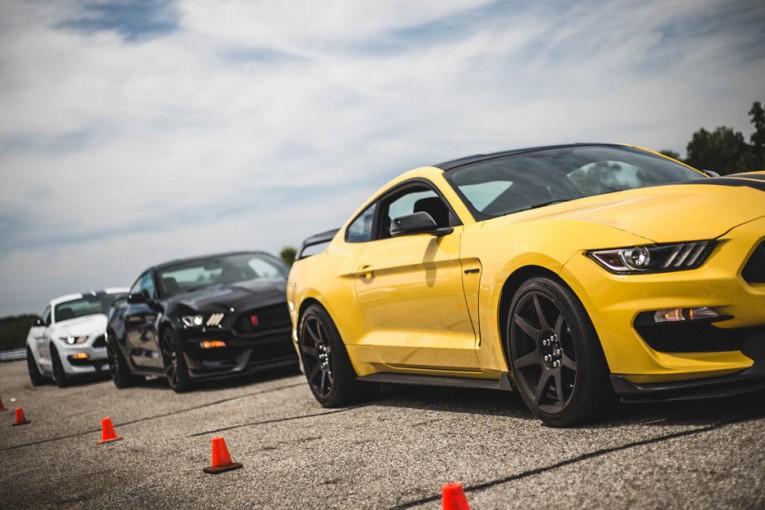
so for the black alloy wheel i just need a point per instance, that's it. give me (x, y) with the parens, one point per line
(176, 370)
(118, 368)
(327, 366)
(62, 381)
(555, 355)
(35, 377)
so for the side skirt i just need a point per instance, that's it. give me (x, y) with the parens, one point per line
(503, 384)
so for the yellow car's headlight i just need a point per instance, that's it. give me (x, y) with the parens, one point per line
(654, 258)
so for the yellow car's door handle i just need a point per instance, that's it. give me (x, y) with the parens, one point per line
(365, 272)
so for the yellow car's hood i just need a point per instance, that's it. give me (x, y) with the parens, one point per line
(706, 209)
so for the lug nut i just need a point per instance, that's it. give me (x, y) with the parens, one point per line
(556, 363)
(547, 357)
(546, 342)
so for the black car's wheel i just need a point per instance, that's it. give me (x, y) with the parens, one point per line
(555, 355)
(35, 377)
(325, 360)
(58, 369)
(118, 368)
(176, 370)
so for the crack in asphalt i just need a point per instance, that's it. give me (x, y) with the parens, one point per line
(581, 458)
(277, 420)
(149, 418)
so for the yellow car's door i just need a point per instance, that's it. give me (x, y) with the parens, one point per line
(410, 294)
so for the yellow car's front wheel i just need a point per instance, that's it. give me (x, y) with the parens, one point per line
(325, 360)
(554, 354)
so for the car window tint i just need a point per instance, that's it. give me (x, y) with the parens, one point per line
(194, 275)
(484, 193)
(94, 304)
(405, 204)
(263, 269)
(606, 176)
(542, 177)
(360, 230)
(412, 199)
(46, 316)
(146, 284)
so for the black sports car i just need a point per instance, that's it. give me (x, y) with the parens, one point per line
(202, 318)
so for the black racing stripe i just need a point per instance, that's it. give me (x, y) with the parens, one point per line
(93, 293)
(759, 177)
(728, 181)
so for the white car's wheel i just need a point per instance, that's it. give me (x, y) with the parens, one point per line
(35, 376)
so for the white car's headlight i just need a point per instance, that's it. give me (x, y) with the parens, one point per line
(654, 258)
(71, 340)
(192, 320)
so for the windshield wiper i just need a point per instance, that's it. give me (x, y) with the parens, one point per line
(543, 204)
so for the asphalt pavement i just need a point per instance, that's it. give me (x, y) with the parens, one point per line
(394, 452)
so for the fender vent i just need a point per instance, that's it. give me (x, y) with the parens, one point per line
(754, 270)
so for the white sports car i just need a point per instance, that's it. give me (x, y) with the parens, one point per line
(68, 341)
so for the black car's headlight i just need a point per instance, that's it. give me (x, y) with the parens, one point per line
(197, 320)
(654, 258)
(192, 320)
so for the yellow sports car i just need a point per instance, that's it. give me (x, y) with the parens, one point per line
(572, 274)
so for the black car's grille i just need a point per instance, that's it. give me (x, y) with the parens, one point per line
(99, 342)
(698, 337)
(754, 270)
(269, 318)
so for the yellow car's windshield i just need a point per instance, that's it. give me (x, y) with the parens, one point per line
(513, 182)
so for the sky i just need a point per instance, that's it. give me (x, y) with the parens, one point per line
(135, 132)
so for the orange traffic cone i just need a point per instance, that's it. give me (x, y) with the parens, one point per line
(221, 460)
(2, 407)
(453, 497)
(107, 431)
(20, 418)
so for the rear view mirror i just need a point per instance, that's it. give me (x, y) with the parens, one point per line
(135, 299)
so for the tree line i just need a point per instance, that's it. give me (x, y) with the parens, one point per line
(725, 150)
(13, 331)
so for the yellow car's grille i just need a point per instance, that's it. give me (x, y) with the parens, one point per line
(700, 337)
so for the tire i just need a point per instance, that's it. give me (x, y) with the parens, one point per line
(62, 380)
(176, 369)
(35, 377)
(327, 366)
(555, 356)
(118, 367)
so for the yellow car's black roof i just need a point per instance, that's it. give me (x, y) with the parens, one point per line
(467, 160)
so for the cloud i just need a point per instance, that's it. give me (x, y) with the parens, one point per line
(136, 132)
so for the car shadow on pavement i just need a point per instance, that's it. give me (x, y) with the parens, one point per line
(82, 380)
(160, 383)
(455, 400)
(509, 404)
(691, 412)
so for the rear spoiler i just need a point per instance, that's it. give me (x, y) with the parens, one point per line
(323, 237)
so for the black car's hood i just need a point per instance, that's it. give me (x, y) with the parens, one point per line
(239, 295)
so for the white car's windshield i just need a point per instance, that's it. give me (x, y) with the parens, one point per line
(92, 304)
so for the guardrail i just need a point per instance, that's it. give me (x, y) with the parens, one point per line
(13, 355)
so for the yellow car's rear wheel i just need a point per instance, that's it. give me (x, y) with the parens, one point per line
(327, 367)
(554, 354)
